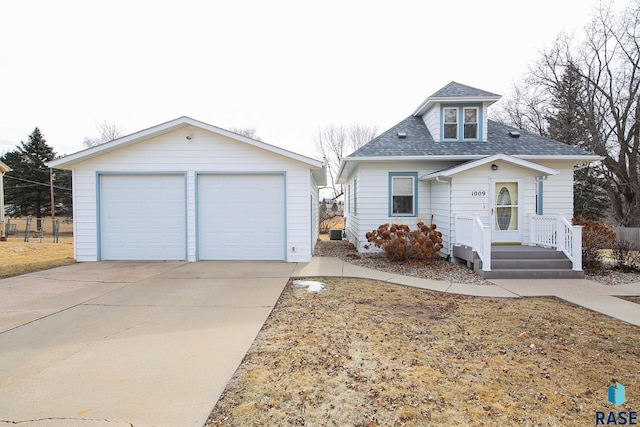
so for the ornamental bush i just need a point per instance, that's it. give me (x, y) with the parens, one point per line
(400, 243)
(595, 237)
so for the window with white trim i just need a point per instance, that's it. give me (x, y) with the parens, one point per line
(461, 123)
(470, 123)
(450, 126)
(402, 194)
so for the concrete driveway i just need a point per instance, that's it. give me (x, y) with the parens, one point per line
(128, 343)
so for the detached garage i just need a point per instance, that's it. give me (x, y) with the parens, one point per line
(186, 190)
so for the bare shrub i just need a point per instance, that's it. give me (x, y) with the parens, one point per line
(624, 257)
(595, 237)
(400, 243)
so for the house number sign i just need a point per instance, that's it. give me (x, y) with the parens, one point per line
(478, 193)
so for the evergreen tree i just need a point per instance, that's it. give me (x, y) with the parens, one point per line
(27, 186)
(567, 123)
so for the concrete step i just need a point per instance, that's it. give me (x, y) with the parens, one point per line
(521, 262)
(532, 274)
(525, 252)
(531, 264)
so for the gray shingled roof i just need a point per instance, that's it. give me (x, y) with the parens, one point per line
(455, 89)
(419, 142)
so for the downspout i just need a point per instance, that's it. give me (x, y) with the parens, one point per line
(447, 181)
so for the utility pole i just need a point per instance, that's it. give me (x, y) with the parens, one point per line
(53, 203)
(3, 169)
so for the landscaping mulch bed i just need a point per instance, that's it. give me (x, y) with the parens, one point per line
(442, 269)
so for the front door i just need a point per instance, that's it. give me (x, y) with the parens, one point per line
(506, 212)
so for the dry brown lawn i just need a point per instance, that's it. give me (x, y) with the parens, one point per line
(20, 257)
(366, 353)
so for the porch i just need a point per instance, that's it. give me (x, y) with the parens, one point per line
(554, 249)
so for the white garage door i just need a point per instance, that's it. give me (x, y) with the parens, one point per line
(241, 217)
(142, 217)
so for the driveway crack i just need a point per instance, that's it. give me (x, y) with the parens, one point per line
(124, 423)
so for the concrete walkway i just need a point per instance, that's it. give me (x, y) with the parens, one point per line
(582, 292)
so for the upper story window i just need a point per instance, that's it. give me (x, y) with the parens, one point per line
(471, 123)
(450, 123)
(461, 123)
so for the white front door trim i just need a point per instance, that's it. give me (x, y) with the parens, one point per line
(512, 235)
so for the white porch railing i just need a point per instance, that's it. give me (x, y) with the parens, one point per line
(472, 232)
(555, 231)
(549, 231)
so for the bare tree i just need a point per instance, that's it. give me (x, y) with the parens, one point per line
(607, 108)
(335, 142)
(108, 131)
(526, 107)
(249, 132)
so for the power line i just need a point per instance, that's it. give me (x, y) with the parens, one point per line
(37, 183)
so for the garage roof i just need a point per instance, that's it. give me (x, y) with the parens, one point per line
(67, 162)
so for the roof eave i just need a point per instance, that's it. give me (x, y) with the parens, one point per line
(431, 101)
(4, 168)
(544, 170)
(577, 157)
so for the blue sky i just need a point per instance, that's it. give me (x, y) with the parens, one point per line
(286, 68)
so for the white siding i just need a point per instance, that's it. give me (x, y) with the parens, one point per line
(373, 198)
(315, 213)
(558, 189)
(205, 152)
(432, 120)
(298, 215)
(433, 197)
(480, 179)
(441, 208)
(85, 236)
(485, 125)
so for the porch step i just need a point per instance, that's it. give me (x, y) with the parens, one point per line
(522, 262)
(562, 263)
(529, 262)
(525, 252)
(532, 274)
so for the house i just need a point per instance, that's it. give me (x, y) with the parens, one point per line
(187, 190)
(485, 185)
(3, 169)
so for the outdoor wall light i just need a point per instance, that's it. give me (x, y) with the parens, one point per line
(494, 167)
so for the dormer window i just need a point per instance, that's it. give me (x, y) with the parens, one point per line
(461, 123)
(450, 123)
(471, 123)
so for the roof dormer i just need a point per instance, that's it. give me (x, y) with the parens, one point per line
(457, 113)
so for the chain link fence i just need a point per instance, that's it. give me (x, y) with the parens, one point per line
(32, 229)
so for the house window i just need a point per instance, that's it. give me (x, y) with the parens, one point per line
(450, 123)
(403, 193)
(461, 123)
(470, 123)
